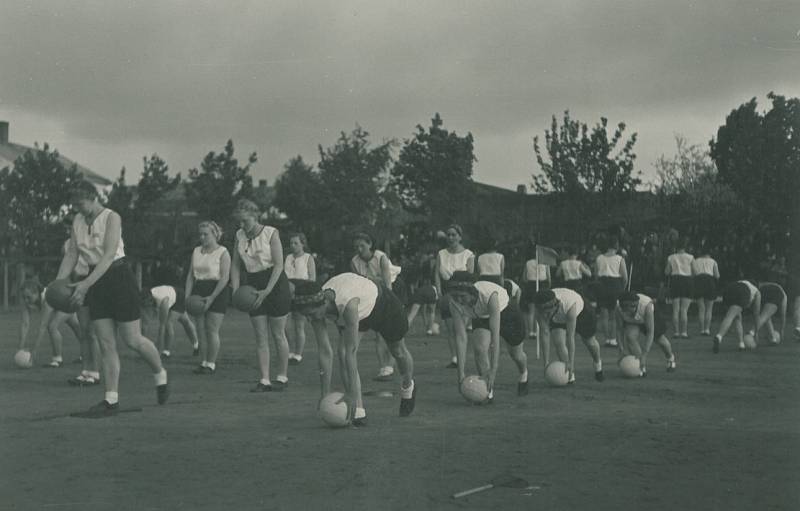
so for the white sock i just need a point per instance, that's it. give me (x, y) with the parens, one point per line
(195, 345)
(598, 366)
(491, 394)
(161, 377)
(282, 379)
(298, 357)
(58, 359)
(265, 382)
(360, 413)
(407, 392)
(94, 374)
(112, 398)
(85, 373)
(291, 355)
(211, 365)
(454, 360)
(203, 364)
(166, 353)
(523, 377)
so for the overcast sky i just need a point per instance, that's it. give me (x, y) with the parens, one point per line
(107, 82)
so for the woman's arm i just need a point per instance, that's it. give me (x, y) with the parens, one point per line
(312, 268)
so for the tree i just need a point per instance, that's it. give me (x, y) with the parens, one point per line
(120, 197)
(691, 192)
(758, 155)
(214, 189)
(301, 195)
(36, 196)
(351, 173)
(433, 175)
(583, 161)
(154, 183)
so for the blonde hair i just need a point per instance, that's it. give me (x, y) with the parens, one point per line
(212, 226)
(246, 207)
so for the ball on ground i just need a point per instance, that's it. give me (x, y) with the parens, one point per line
(333, 410)
(244, 298)
(474, 389)
(23, 359)
(58, 295)
(195, 304)
(630, 367)
(749, 341)
(556, 374)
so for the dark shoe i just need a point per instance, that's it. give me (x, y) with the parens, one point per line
(452, 365)
(671, 365)
(407, 405)
(78, 360)
(522, 388)
(260, 387)
(294, 362)
(101, 409)
(162, 393)
(360, 422)
(165, 354)
(81, 380)
(279, 386)
(203, 370)
(196, 351)
(598, 375)
(715, 347)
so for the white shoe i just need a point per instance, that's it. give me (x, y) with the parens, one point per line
(435, 329)
(611, 343)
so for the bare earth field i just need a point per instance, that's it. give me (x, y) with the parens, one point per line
(722, 433)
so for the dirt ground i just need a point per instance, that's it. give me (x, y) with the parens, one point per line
(719, 434)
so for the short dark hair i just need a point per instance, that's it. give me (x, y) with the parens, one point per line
(305, 293)
(628, 297)
(84, 190)
(544, 296)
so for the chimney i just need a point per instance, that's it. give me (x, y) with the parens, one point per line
(262, 183)
(3, 132)
(521, 189)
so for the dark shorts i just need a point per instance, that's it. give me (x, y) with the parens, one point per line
(400, 289)
(425, 295)
(512, 326)
(279, 302)
(680, 286)
(705, 287)
(388, 317)
(529, 290)
(574, 284)
(659, 324)
(116, 295)
(772, 293)
(585, 324)
(180, 301)
(736, 293)
(205, 288)
(608, 291)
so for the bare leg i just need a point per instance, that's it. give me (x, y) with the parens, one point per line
(277, 327)
(212, 326)
(261, 330)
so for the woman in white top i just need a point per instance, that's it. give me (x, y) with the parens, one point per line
(299, 265)
(208, 277)
(612, 276)
(535, 277)
(492, 265)
(111, 292)
(259, 255)
(572, 271)
(449, 260)
(679, 273)
(706, 276)
(376, 266)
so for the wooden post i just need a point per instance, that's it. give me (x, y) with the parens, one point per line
(5, 285)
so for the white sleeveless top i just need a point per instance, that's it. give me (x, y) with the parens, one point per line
(514, 287)
(704, 266)
(566, 299)
(450, 263)
(489, 263)
(160, 292)
(641, 308)
(485, 292)
(609, 266)
(89, 238)
(571, 268)
(255, 253)
(348, 286)
(372, 268)
(81, 268)
(297, 267)
(680, 264)
(207, 266)
(535, 271)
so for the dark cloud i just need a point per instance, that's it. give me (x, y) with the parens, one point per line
(118, 80)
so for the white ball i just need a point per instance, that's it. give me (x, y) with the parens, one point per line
(749, 341)
(556, 374)
(23, 359)
(630, 367)
(334, 411)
